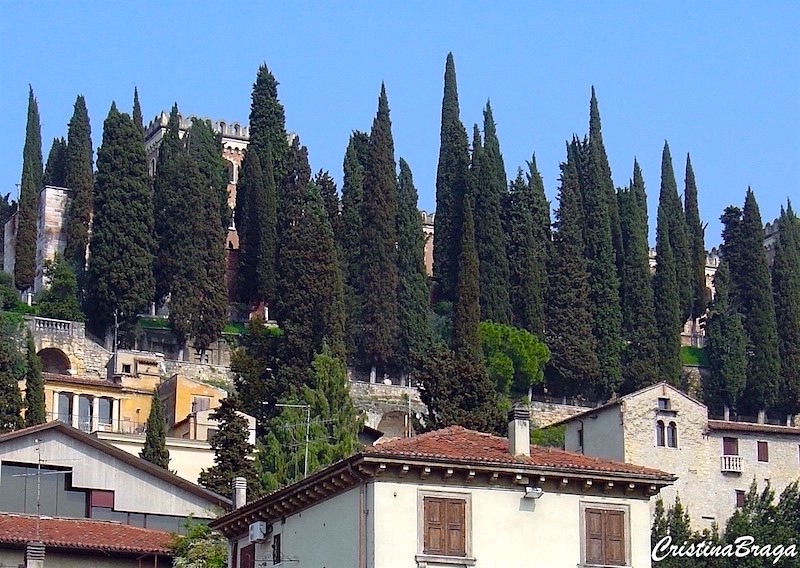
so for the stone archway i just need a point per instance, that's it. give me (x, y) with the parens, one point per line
(55, 361)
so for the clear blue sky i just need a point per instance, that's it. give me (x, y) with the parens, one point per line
(718, 80)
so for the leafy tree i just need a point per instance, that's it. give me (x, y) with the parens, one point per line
(599, 214)
(79, 177)
(310, 293)
(379, 324)
(573, 364)
(640, 355)
(268, 124)
(120, 274)
(200, 547)
(25, 253)
(487, 191)
(231, 450)
(415, 332)
(9, 297)
(451, 186)
(155, 442)
(34, 385)
(205, 147)
(60, 299)
(726, 348)
(756, 519)
(457, 391)
(695, 232)
(12, 370)
(786, 294)
(751, 295)
(466, 309)
(253, 364)
(515, 358)
(527, 230)
(332, 430)
(56, 165)
(667, 301)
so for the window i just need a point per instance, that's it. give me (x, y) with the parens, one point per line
(126, 368)
(763, 452)
(740, 495)
(730, 446)
(663, 404)
(104, 411)
(200, 403)
(247, 556)
(85, 413)
(672, 435)
(580, 438)
(660, 433)
(64, 407)
(276, 549)
(445, 526)
(605, 536)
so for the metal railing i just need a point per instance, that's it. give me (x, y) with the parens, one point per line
(731, 464)
(85, 424)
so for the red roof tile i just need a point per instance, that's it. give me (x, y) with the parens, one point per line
(750, 427)
(457, 444)
(83, 534)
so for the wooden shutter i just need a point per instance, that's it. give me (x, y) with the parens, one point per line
(445, 526)
(456, 527)
(434, 525)
(763, 452)
(730, 446)
(247, 558)
(614, 533)
(594, 536)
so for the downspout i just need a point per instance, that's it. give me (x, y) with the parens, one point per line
(583, 436)
(362, 518)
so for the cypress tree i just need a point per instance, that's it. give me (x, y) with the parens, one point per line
(155, 442)
(379, 277)
(56, 166)
(466, 309)
(414, 326)
(137, 111)
(603, 271)
(451, 186)
(268, 123)
(573, 365)
(31, 183)
(80, 179)
(167, 208)
(293, 186)
(310, 292)
(488, 192)
(231, 451)
(327, 189)
(34, 386)
(120, 273)
(695, 231)
(726, 348)
(678, 239)
(640, 357)
(12, 369)
(205, 147)
(786, 294)
(751, 294)
(666, 301)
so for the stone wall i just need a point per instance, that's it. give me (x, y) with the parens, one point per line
(544, 414)
(386, 406)
(199, 371)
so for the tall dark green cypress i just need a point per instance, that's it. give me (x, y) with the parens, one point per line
(155, 442)
(327, 189)
(726, 348)
(414, 327)
(137, 111)
(31, 183)
(695, 231)
(488, 191)
(573, 366)
(379, 276)
(667, 301)
(678, 238)
(599, 216)
(640, 356)
(34, 386)
(205, 147)
(12, 370)
(466, 309)
(293, 186)
(451, 186)
(80, 179)
(120, 273)
(751, 294)
(786, 293)
(268, 123)
(55, 168)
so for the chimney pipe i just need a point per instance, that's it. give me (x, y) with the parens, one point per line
(239, 492)
(519, 431)
(34, 555)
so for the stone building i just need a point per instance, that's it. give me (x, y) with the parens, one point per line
(715, 460)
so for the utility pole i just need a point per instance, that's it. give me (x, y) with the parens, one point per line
(308, 427)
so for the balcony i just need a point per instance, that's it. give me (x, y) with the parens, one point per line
(730, 464)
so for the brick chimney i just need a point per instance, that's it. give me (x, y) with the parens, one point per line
(239, 492)
(519, 431)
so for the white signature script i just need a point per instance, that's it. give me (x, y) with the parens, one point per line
(740, 548)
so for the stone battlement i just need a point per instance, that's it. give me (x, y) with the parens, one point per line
(228, 130)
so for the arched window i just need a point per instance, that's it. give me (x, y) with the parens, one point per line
(672, 435)
(660, 433)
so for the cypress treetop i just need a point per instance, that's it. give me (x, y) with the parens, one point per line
(137, 111)
(31, 183)
(34, 386)
(80, 179)
(697, 249)
(268, 122)
(677, 233)
(55, 168)
(12, 370)
(205, 147)
(667, 301)
(155, 442)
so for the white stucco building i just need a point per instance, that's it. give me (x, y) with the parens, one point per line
(715, 461)
(449, 498)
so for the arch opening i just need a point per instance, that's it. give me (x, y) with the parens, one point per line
(54, 361)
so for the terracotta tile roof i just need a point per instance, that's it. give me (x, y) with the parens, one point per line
(728, 426)
(84, 534)
(80, 380)
(459, 445)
